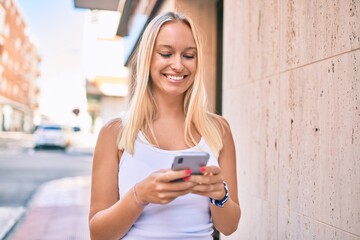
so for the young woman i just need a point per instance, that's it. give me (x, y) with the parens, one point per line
(133, 194)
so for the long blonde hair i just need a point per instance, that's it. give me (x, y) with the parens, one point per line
(142, 110)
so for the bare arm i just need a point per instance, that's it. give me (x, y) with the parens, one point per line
(225, 219)
(110, 217)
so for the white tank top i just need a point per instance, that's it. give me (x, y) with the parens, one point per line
(187, 217)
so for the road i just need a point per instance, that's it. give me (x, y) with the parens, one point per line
(23, 171)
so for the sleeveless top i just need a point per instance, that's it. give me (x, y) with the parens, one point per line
(187, 217)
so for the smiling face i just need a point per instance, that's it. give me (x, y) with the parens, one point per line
(174, 60)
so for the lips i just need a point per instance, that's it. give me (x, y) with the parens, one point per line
(175, 77)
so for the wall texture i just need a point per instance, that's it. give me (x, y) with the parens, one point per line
(291, 93)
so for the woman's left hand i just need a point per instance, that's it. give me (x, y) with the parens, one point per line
(210, 183)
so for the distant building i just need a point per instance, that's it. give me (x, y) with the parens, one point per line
(19, 71)
(103, 67)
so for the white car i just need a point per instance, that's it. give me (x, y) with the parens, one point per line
(52, 135)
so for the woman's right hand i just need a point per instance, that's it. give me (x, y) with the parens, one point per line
(160, 188)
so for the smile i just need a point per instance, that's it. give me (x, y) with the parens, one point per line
(175, 78)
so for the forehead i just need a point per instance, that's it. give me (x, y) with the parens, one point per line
(175, 34)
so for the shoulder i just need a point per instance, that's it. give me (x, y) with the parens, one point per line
(111, 130)
(220, 122)
(114, 124)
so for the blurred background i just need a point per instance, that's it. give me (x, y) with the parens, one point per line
(62, 76)
(284, 73)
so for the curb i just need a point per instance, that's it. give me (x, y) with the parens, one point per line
(9, 216)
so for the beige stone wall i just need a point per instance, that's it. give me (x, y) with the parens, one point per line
(292, 96)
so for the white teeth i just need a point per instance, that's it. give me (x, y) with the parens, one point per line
(175, 78)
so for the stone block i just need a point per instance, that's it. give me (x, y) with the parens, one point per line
(314, 30)
(264, 39)
(252, 111)
(235, 45)
(319, 164)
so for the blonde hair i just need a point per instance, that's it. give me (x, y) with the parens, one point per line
(142, 108)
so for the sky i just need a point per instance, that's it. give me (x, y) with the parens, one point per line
(57, 28)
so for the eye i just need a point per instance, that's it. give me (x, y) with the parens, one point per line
(188, 56)
(165, 55)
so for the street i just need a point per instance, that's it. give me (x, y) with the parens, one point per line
(32, 182)
(22, 172)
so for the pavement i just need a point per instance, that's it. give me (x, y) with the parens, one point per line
(58, 209)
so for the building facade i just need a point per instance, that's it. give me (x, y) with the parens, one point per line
(291, 94)
(19, 71)
(103, 67)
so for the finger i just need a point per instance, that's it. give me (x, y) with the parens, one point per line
(166, 192)
(213, 190)
(212, 169)
(206, 190)
(175, 186)
(207, 179)
(170, 175)
(166, 197)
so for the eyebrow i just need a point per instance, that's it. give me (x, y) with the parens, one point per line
(171, 47)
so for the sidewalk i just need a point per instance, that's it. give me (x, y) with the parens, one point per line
(58, 210)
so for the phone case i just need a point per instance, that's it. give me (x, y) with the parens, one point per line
(190, 160)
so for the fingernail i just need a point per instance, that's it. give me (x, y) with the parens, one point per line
(202, 169)
(186, 178)
(188, 171)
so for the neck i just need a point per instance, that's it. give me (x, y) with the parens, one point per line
(170, 107)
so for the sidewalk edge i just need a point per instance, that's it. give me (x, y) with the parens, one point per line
(13, 215)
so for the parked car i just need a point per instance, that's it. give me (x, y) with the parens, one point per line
(52, 135)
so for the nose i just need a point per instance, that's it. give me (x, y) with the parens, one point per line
(177, 64)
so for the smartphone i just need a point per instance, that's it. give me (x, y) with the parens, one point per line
(190, 160)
